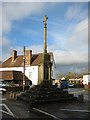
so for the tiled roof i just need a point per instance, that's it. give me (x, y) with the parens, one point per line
(35, 60)
(8, 63)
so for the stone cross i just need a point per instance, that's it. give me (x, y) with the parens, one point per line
(45, 34)
(45, 19)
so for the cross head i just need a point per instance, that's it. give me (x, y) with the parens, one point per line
(45, 19)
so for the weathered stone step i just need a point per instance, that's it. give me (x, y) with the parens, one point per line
(53, 100)
(45, 93)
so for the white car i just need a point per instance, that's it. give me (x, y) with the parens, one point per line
(2, 84)
(2, 90)
(70, 85)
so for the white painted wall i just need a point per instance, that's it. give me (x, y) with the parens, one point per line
(31, 72)
(53, 71)
(86, 79)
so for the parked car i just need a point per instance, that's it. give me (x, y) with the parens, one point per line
(2, 90)
(2, 84)
(7, 85)
(70, 85)
(64, 83)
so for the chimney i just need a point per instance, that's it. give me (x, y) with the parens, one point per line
(14, 55)
(28, 57)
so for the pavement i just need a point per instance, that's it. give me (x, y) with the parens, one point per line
(70, 110)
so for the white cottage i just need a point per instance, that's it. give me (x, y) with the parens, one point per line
(32, 62)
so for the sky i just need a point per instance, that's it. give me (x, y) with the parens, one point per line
(67, 31)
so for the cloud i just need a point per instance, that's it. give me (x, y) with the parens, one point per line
(4, 48)
(66, 61)
(58, 39)
(76, 44)
(66, 58)
(18, 11)
(71, 68)
(0, 19)
(10, 12)
(73, 38)
(76, 12)
(78, 41)
(61, 57)
(36, 49)
(5, 42)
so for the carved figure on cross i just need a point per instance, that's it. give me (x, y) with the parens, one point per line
(45, 19)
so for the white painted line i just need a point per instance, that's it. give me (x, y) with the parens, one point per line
(5, 112)
(3, 99)
(9, 111)
(76, 92)
(75, 110)
(46, 113)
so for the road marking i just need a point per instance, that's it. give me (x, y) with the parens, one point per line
(75, 110)
(76, 92)
(9, 111)
(46, 113)
(4, 112)
(3, 99)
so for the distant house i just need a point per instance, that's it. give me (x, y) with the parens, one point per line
(86, 79)
(32, 66)
(57, 81)
(76, 80)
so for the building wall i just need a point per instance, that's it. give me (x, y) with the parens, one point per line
(31, 72)
(76, 80)
(86, 79)
(40, 73)
(53, 70)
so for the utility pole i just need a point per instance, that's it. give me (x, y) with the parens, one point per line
(76, 70)
(24, 68)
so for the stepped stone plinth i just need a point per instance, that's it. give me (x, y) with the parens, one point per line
(45, 93)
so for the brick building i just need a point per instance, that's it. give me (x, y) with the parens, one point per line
(14, 67)
(15, 76)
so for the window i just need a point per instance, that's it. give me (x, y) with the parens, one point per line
(30, 74)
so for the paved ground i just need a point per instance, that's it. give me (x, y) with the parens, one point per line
(62, 111)
(18, 109)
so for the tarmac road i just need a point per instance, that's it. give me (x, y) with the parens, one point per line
(18, 109)
(70, 110)
(62, 111)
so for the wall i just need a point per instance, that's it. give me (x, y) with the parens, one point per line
(31, 72)
(86, 79)
(53, 71)
(76, 80)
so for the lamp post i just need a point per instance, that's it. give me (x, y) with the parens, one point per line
(24, 68)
